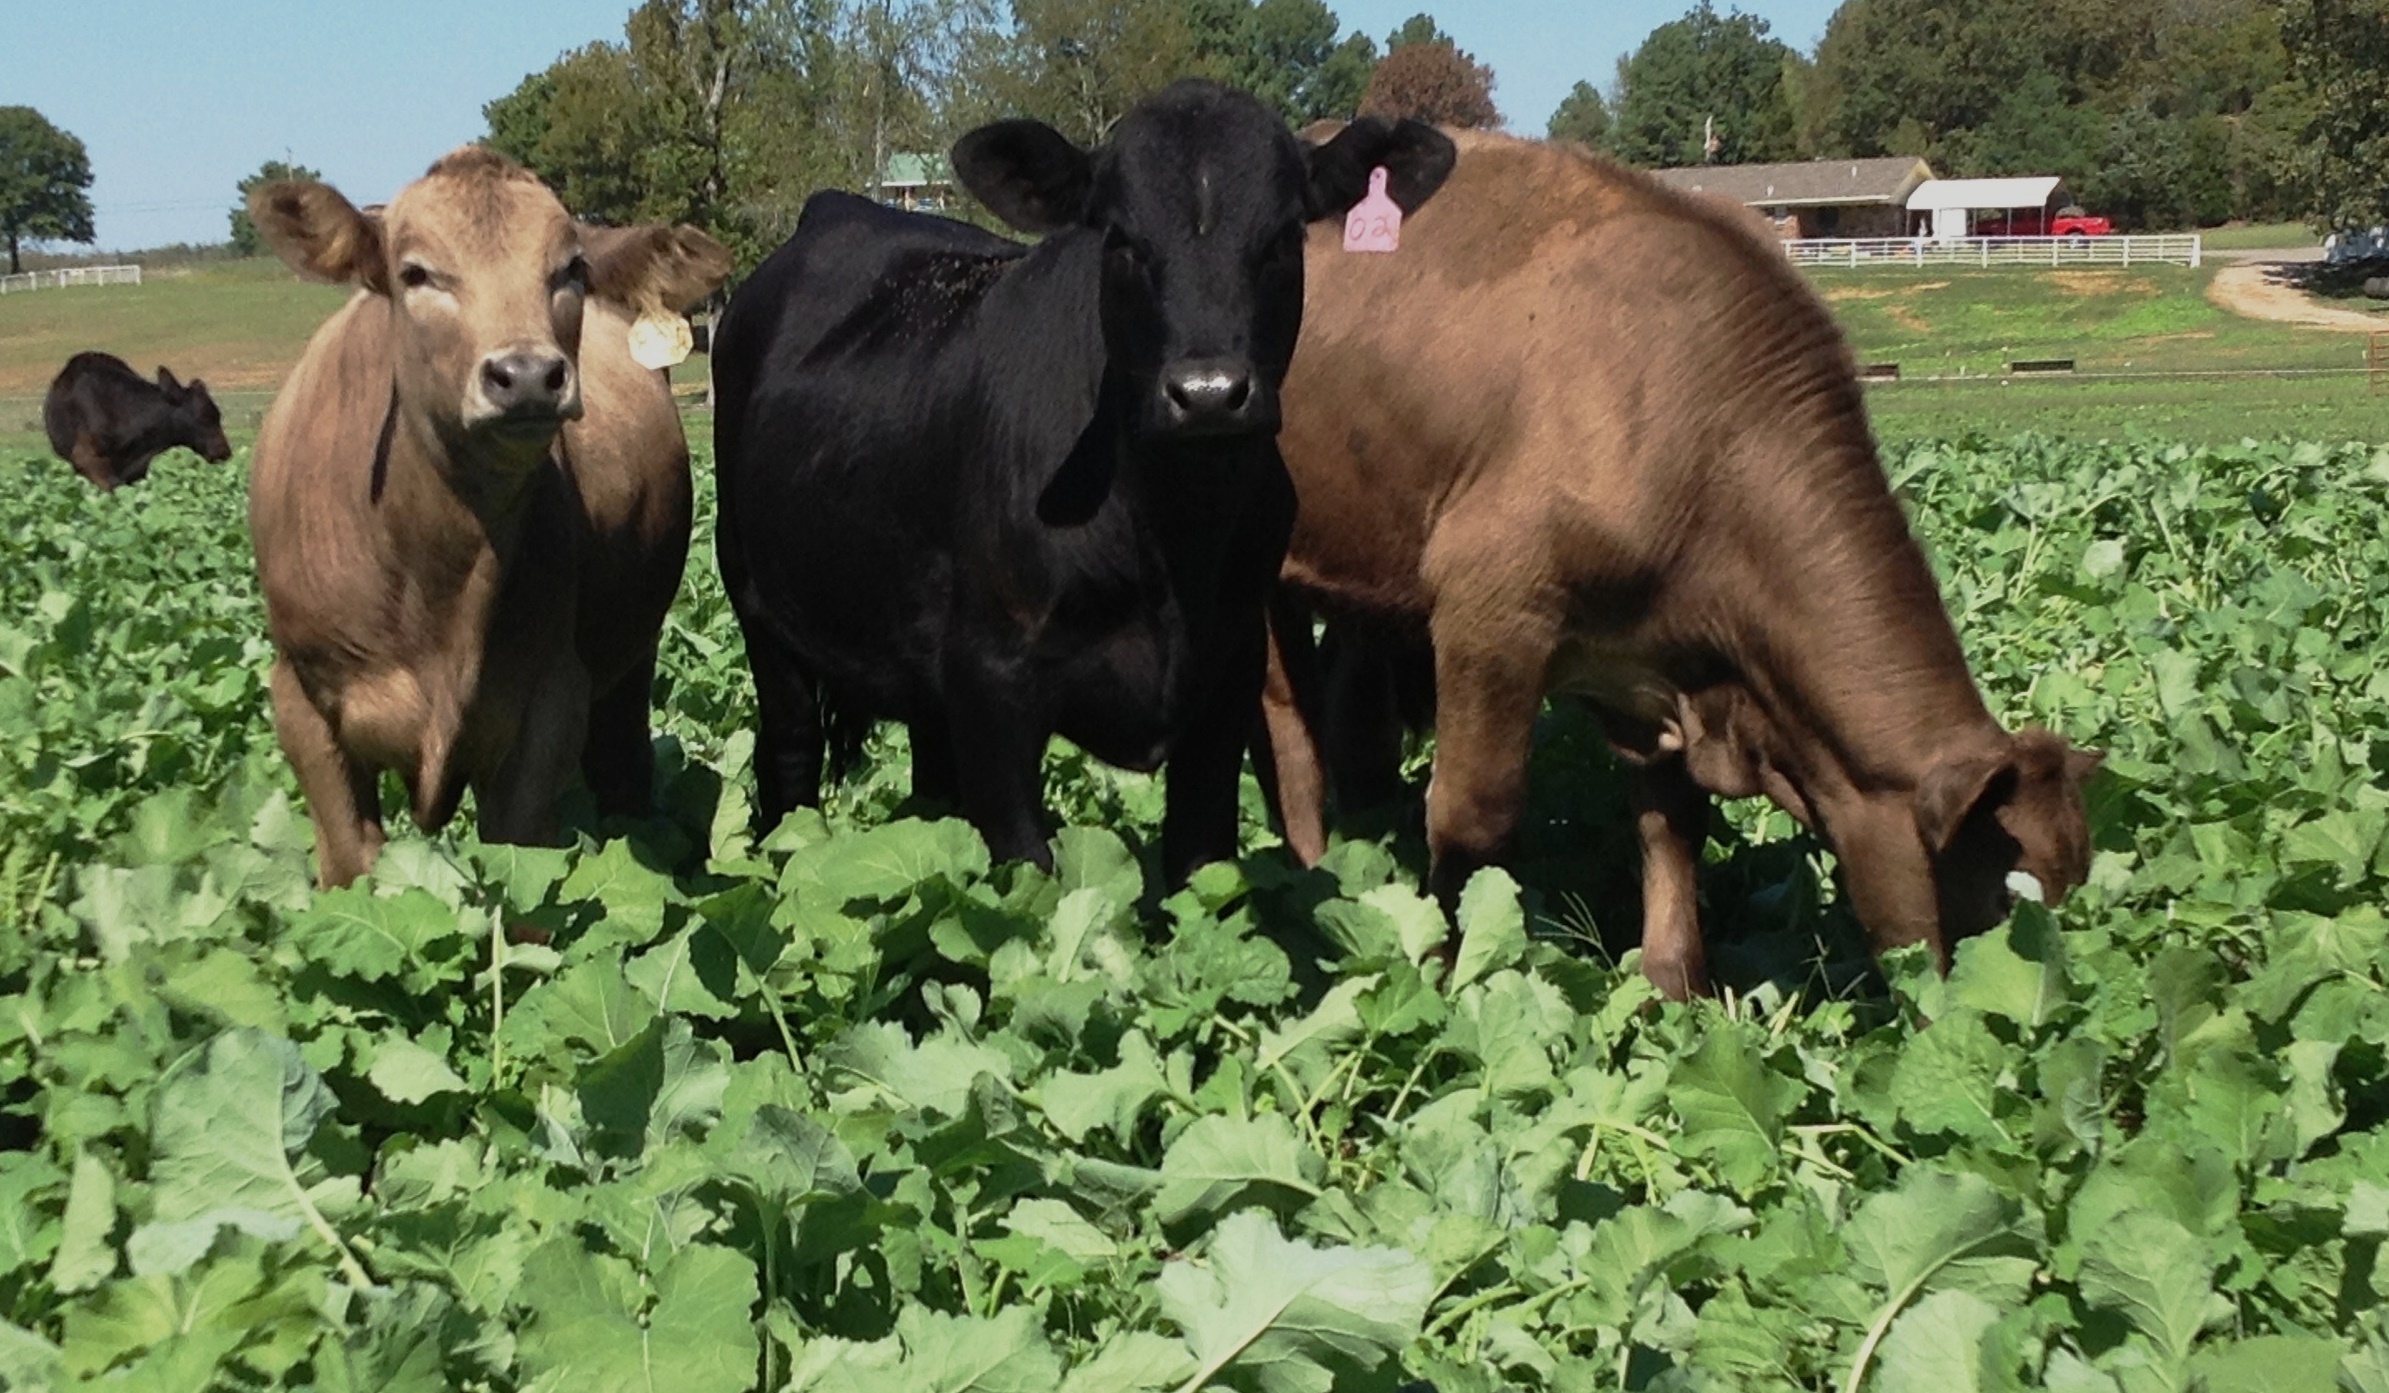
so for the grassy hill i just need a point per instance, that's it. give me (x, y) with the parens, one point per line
(2154, 355)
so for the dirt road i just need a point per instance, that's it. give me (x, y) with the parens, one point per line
(2260, 289)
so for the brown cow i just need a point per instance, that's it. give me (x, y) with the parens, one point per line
(1593, 436)
(470, 505)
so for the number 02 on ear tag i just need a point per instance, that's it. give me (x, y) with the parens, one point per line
(1375, 223)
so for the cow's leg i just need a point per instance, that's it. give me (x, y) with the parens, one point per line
(1885, 870)
(788, 734)
(91, 462)
(1671, 815)
(1364, 723)
(933, 777)
(1489, 673)
(619, 759)
(1287, 756)
(998, 746)
(517, 800)
(342, 795)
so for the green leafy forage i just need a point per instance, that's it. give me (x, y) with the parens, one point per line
(842, 1106)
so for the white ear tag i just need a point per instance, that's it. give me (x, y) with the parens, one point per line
(659, 339)
(2024, 885)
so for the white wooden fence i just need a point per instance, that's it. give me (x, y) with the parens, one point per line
(71, 275)
(2182, 249)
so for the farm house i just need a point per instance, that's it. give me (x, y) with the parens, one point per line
(1816, 198)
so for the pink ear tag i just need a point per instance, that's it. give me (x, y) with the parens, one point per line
(1375, 223)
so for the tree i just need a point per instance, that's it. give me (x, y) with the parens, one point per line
(2339, 50)
(1432, 82)
(245, 241)
(720, 113)
(1582, 116)
(1078, 65)
(45, 183)
(1705, 74)
(1418, 29)
(1283, 51)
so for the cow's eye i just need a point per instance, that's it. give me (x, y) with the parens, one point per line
(414, 275)
(574, 276)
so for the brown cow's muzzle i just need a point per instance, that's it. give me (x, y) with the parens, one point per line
(524, 388)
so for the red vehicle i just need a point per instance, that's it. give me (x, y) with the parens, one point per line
(2070, 221)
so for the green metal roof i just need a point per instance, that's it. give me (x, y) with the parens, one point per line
(915, 171)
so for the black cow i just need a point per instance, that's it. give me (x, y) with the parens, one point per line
(1002, 492)
(109, 421)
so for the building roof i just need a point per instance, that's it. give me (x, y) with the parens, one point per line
(915, 171)
(1808, 184)
(2032, 192)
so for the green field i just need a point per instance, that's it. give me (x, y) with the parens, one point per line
(845, 1107)
(238, 325)
(2268, 236)
(2153, 358)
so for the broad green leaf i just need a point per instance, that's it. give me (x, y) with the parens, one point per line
(2271, 1364)
(229, 1131)
(2017, 970)
(1218, 1158)
(2156, 1275)
(85, 1256)
(1077, 1104)
(1056, 1223)
(1732, 1107)
(357, 933)
(633, 894)
(26, 1360)
(1133, 1362)
(887, 862)
(1942, 1231)
(881, 1061)
(1492, 926)
(1949, 1078)
(1263, 1312)
(393, 1345)
(593, 1330)
(407, 1073)
(1939, 1345)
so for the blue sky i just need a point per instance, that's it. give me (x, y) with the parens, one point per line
(178, 99)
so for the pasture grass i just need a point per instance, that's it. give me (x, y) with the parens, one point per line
(2153, 356)
(239, 325)
(2259, 236)
(242, 324)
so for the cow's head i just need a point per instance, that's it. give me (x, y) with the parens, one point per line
(1988, 819)
(487, 276)
(200, 424)
(1202, 198)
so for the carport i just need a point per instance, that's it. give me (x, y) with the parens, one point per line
(1954, 204)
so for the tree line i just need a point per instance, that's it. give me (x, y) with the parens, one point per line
(2161, 113)
(728, 113)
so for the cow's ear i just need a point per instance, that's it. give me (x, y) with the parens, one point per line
(1953, 789)
(1416, 157)
(321, 235)
(1026, 173)
(640, 267)
(166, 382)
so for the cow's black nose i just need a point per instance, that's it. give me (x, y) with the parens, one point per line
(1209, 393)
(526, 382)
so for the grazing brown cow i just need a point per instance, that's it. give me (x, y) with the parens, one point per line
(1594, 437)
(109, 421)
(470, 504)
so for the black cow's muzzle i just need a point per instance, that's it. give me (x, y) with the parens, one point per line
(1214, 396)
